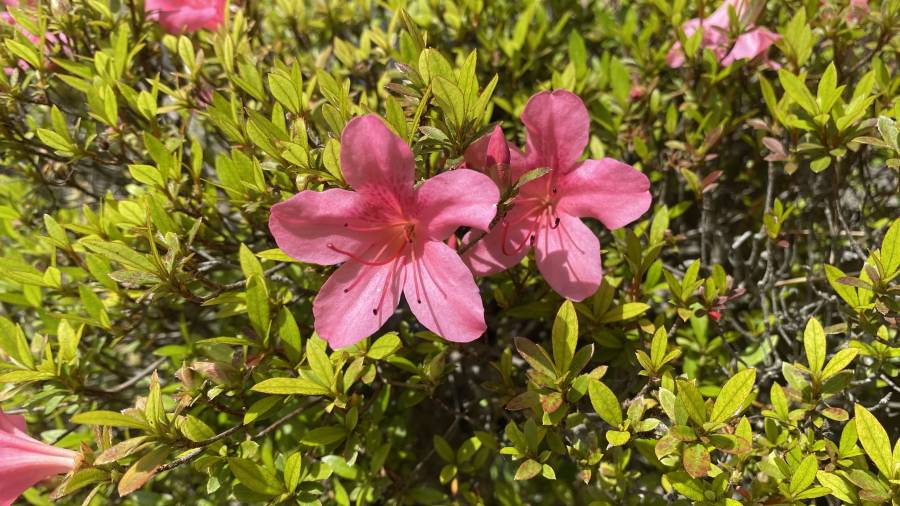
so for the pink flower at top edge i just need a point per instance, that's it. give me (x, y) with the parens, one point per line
(24, 461)
(546, 212)
(180, 16)
(389, 237)
(753, 43)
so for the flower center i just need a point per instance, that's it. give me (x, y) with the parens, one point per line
(543, 208)
(400, 238)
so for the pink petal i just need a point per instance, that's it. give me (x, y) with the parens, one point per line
(179, 16)
(558, 125)
(356, 301)
(12, 423)
(17, 482)
(459, 198)
(306, 224)
(607, 190)
(504, 246)
(373, 155)
(489, 149)
(568, 257)
(675, 56)
(720, 17)
(750, 45)
(442, 293)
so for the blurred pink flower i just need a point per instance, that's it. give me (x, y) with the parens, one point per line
(52, 41)
(24, 461)
(389, 237)
(858, 9)
(750, 44)
(546, 212)
(179, 16)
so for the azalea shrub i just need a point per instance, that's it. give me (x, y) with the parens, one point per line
(449, 252)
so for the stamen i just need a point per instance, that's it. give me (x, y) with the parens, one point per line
(416, 274)
(529, 238)
(386, 286)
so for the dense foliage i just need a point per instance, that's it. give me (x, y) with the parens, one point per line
(741, 349)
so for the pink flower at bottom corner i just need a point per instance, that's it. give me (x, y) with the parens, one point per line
(186, 16)
(389, 237)
(25, 461)
(546, 212)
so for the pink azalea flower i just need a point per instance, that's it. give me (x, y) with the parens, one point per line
(751, 45)
(546, 212)
(754, 42)
(179, 16)
(24, 461)
(389, 237)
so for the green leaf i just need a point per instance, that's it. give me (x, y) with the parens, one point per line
(874, 440)
(696, 460)
(324, 436)
(142, 470)
(258, 305)
(110, 419)
(528, 470)
(814, 343)
(443, 449)
(564, 336)
(384, 346)
(624, 312)
(255, 477)
(686, 485)
(249, 263)
(693, 401)
(293, 465)
(121, 253)
(68, 341)
(290, 386)
(13, 343)
(803, 475)
(535, 355)
(23, 376)
(839, 362)
(839, 488)
(605, 403)
(733, 396)
(617, 437)
(890, 250)
(798, 92)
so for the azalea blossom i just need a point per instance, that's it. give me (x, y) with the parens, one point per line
(546, 212)
(389, 237)
(180, 16)
(24, 461)
(752, 43)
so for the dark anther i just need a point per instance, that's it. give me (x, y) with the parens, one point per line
(375, 311)
(346, 290)
(531, 240)
(554, 189)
